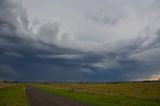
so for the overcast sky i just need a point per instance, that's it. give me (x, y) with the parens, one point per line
(79, 40)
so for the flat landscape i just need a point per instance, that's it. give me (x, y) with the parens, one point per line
(79, 52)
(80, 94)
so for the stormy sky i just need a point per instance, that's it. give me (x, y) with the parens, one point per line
(79, 40)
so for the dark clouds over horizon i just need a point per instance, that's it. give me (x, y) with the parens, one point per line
(42, 49)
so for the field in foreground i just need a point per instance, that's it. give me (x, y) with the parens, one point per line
(101, 94)
(13, 95)
(93, 94)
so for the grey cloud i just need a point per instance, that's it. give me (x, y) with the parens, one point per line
(13, 54)
(20, 42)
(48, 32)
(7, 70)
(63, 56)
(105, 17)
(140, 43)
(134, 58)
(49, 54)
(10, 11)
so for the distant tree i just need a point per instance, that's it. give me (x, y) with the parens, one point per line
(15, 82)
(5, 81)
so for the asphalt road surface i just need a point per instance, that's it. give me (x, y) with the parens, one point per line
(39, 98)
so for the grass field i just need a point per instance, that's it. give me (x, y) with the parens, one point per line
(93, 94)
(3, 85)
(13, 96)
(101, 94)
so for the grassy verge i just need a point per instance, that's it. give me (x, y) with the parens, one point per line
(99, 99)
(13, 96)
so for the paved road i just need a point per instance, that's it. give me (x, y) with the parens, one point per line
(39, 98)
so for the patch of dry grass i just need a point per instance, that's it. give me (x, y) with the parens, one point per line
(143, 90)
(3, 85)
(107, 94)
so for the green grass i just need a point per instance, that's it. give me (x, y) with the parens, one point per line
(13, 96)
(88, 94)
(94, 94)
(144, 90)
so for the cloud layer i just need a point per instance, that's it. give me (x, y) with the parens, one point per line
(40, 49)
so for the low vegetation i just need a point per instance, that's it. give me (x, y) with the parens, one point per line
(4, 84)
(13, 96)
(102, 94)
(94, 94)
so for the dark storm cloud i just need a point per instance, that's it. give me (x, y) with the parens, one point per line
(29, 56)
(8, 72)
(42, 55)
